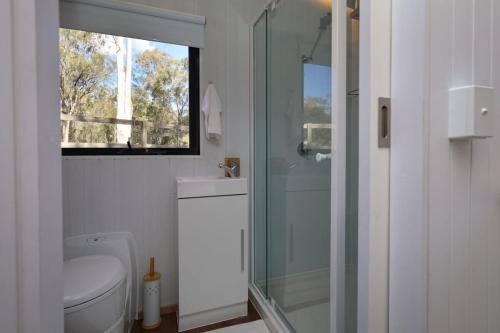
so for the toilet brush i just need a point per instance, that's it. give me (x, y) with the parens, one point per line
(151, 299)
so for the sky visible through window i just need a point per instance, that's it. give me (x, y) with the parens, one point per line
(317, 81)
(140, 45)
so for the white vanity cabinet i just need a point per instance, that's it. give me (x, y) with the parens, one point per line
(213, 250)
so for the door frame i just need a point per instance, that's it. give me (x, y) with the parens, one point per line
(338, 165)
(31, 258)
(259, 300)
(374, 169)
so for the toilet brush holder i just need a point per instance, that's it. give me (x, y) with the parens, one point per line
(151, 298)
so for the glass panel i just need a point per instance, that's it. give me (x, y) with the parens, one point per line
(293, 142)
(299, 107)
(260, 151)
(116, 90)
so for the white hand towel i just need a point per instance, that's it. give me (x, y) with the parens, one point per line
(211, 108)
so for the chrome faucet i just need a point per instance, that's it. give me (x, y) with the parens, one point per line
(232, 170)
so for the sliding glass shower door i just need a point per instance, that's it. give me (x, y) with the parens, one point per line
(293, 152)
(298, 186)
(260, 240)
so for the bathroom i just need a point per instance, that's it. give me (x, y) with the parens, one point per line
(253, 166)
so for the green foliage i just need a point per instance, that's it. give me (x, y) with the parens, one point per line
(88, 87)
(161, 94)
(317, 110)
(84, 72)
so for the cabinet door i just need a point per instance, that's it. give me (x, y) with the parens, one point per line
(213, 244)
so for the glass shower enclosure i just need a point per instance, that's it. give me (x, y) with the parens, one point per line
(292, 162)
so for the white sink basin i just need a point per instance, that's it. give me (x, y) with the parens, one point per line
(196, 187)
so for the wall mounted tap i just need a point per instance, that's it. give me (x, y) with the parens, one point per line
(232, 169)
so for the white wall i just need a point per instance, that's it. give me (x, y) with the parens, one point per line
(8, 262)
(138, 194)
(464, 177)
(445, 196)
(31, 278)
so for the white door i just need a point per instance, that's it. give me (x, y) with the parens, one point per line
(212, 253)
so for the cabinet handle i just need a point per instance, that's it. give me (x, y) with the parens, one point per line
(242, 250)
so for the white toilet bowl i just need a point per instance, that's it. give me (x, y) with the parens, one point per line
(95, 293)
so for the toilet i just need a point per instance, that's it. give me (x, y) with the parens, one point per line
(100, 283)
(94, 295)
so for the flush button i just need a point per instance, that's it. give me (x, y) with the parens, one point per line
(95, 240)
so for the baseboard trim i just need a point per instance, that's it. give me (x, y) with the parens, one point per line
(214, 316)
(164, 310)
(266, 312)
(263, 307)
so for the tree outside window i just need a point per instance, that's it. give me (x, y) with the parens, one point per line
(122, 92)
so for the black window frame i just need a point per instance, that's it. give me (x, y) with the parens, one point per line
(194, 123)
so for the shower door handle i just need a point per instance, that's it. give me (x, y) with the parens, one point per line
(242, 250)
(320, 157)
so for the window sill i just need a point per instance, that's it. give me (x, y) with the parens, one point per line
(129, 157)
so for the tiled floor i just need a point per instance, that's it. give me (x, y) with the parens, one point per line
(169, 324)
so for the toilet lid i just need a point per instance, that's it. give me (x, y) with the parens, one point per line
(89, 277)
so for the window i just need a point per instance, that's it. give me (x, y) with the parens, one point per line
(317, 126)
(127, 96)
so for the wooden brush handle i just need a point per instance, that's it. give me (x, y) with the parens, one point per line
(152, 266)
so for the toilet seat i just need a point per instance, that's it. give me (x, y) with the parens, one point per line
(89, 278)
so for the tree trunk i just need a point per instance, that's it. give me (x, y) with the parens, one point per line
(124, 99)
(66, 131)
